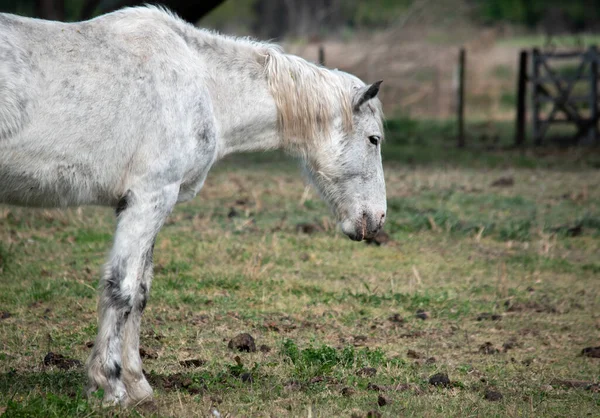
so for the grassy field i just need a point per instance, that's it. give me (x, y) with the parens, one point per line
(491, 276)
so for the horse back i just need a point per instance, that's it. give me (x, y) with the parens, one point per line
(86, 107)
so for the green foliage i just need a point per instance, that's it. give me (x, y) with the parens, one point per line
(233, 13)
(531, 12)
(375, 13)
(508, 100)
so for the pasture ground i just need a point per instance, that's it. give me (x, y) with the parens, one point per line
(497, 249)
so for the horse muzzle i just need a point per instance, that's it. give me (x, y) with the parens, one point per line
(365, 226)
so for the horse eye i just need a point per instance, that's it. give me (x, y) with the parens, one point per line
(375, 139)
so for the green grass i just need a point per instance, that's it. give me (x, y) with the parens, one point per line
(338, 318)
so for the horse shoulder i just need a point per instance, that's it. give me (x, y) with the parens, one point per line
(16, 91)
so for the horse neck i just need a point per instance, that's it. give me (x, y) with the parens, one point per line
(245, 111)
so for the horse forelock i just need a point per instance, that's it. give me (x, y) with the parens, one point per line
(308, 99)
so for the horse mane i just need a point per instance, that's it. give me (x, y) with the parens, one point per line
(308, 98)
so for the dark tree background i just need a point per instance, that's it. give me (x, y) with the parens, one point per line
(71, 10)
(308, 18)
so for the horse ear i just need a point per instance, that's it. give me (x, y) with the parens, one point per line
(366, 93)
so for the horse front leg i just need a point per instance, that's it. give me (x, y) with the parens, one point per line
(138, 388)
(124, 291)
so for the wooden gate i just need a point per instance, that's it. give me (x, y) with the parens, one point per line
(567, 106)
(559, 97)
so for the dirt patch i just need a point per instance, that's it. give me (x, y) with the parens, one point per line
(246, 377)
(493, 396)
(233, 213)
(574, 384)
(510, 344)
(593, 352)
(148, 353)
(413, 354)
(347, 392)
(5, 315)
(243, 342)
(374, 387)
(421, 314)
(177, 381)
(382, 238)
(439, 379)
(382, 400)
(359, 340)
(196, 362)
(488, 316)
(396, 319)
(529, 306)
(264, 348)
(367, 372)
(413, 334)
(60, 361)
(308, 228)
(503, 182)
(488, 348)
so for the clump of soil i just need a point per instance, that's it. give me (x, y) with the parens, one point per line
(359, 340)
(374, 387)
(503, 182)
(493, 396)
(382, 400)
(60, 361)
(381, 238)
(488, 348)
(529, 306)
(196, 362)
(573, 384)
(148, 353)
(175, 381)
(488, 316)
(413, 354)
(367, 372)
(264, 348)
(5, 315)
(401, 387)
(233, 213)
(396, 319)
(510, 344)
(593, 352)
(243, 342)
(439, 379)
(308, 228)
(347, 392)
(421, 314)
(246, 377)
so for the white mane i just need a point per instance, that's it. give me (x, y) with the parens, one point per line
(308, 98)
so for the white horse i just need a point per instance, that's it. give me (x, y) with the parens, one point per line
(132, 109)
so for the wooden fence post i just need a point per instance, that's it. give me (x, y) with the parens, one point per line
(537, 138)
(461, 98)
(321, 55)
(593, 57)
(521, 100)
